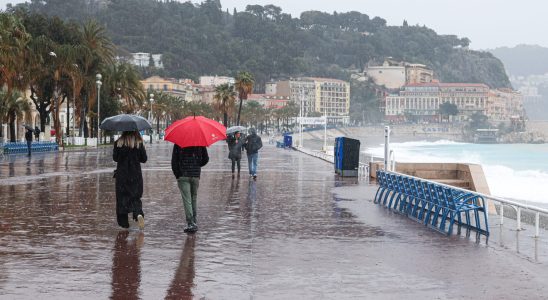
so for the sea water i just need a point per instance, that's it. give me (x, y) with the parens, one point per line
(513, 171)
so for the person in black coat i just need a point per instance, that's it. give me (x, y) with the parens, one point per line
(129, 152)
(186, 164)
(252, 145)
(28, 138)
(235, 145)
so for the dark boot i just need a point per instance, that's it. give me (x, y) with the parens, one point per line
(122, 220)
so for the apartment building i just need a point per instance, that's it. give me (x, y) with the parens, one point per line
(326, 96)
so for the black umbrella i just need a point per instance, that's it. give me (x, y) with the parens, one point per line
(125, 123)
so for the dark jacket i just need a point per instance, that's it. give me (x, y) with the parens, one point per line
(188, 161)
(235, 147)
(253, 143)
(129, 179)
(28, 135)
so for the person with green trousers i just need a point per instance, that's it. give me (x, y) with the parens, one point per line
(186, 164)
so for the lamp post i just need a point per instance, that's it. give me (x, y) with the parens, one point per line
(99, 83)
(301, 113)
(150, 116)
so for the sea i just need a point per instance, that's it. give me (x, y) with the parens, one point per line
(513, 171)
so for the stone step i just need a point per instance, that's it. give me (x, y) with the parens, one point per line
(454, 182)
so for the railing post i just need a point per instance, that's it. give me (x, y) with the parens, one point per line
(537, 219)
(386, 147)
(501, 213)
(518, 211)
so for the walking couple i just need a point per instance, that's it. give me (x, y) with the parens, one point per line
(252, 144)
(186, 163)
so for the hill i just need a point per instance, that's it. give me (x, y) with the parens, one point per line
(198, 39)
(523, 60)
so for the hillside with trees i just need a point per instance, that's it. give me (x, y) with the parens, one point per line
(198, 39)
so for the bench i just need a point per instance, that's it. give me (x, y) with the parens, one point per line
(19, 147)
(435, 205)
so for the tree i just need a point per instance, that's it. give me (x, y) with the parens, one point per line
(225, 96)
(16, 107)
(448, 109)
(101, 53)
(13, 49)
(122, 81)
(475, 122)
(244, 86)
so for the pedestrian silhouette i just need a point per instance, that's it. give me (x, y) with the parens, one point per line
(235, 145)
(186, 164)
(28, 138)
(129, 152)
(253, 144)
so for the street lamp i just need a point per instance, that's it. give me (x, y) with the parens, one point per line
(150, 115)
(99, 83)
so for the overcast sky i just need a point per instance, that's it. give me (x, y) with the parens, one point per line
(487, 23)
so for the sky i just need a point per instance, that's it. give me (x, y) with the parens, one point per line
(487, 23)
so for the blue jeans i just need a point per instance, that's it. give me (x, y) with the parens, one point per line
(252, 160)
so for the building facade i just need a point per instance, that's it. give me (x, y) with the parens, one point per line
(216, 80)
(143, 59)
(417, 73)
(269, 101)
(392, 77)
(325, 96)
(421, 102)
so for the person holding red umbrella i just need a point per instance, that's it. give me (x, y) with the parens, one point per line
(191, 136)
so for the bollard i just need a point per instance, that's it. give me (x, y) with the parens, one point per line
(518, 218)
(386, 146)
(537, 219)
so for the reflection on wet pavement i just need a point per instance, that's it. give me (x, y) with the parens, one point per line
(284, 236)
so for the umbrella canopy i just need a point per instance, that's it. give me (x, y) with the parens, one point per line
(125, 123)
(28, 127)
(235, 129)
(195, 131)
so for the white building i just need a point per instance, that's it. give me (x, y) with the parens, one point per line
(392, 77)
(216, 80)
(326, 96)
(142, 59)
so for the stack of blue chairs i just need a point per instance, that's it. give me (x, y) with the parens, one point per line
(19, 147)
(435, 205)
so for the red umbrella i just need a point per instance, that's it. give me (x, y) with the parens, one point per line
(195, 131)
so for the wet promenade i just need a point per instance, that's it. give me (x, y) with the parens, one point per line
(298, 232)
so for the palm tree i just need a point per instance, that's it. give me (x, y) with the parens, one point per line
(225, 96)
(100, 53)
(16, 107)
(244, 86)
(123, 81)
(13, 51)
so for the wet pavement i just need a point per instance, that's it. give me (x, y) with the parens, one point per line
(296, 232)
